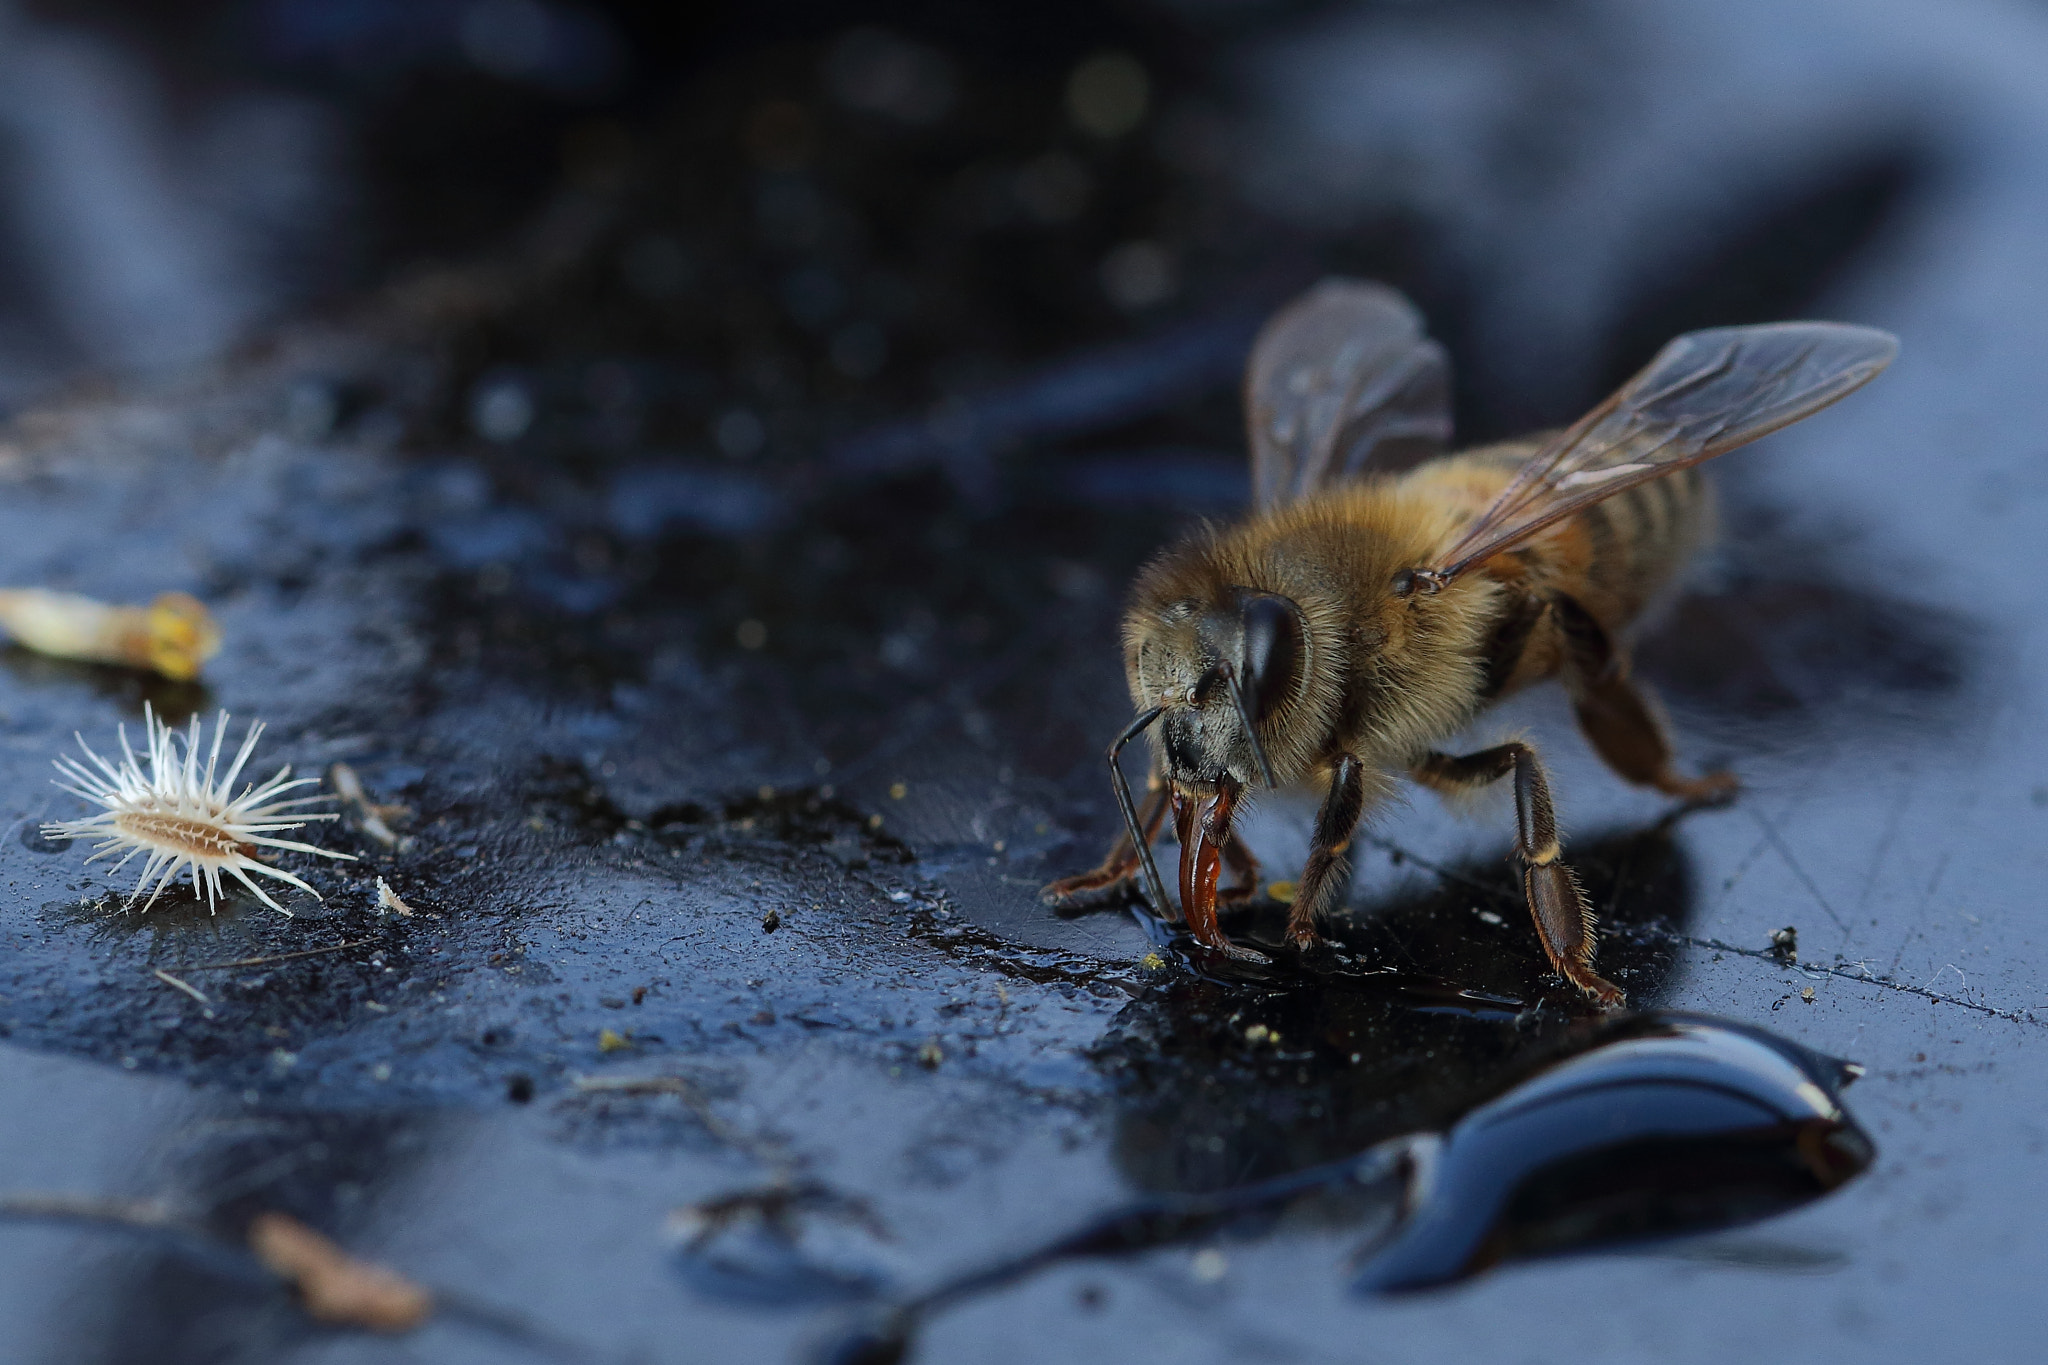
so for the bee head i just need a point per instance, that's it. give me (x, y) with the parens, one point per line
(1222, 669)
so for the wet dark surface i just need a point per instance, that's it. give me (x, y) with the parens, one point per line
(741, 698)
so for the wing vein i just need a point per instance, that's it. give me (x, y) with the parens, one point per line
(1705, 394)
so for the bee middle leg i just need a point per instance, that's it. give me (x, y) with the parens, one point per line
(1120, 868)
(1564, 920)
(1617, 717)
(1244, 866)
(1324, 877)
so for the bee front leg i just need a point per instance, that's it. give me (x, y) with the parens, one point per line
(1324, 877)
(1617, 717)
(1564, 920)
(1119, 869)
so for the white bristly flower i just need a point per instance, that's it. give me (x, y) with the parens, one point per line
(182, 817)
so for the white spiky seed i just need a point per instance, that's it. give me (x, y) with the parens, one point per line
(187, 820)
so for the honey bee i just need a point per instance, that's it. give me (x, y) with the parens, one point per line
(1382, 595)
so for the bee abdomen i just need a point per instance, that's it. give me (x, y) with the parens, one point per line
(1640, 538)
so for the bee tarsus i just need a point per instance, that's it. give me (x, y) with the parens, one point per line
(1564, 920)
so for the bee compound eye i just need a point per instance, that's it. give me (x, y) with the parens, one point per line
(1403, 583)
(1274, 644)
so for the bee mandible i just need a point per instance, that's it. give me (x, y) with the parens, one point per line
(1382, 595)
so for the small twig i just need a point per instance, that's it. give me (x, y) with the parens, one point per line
(149, 1215)
(369, 816)
(185, 986)
(387, 899)
(777, 1204)
(279, 957)
(334, 1286)
(301, 1258)
(693, 1098)
(160, 1220)
(635, 1085)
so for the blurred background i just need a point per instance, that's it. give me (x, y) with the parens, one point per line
(752, 231)
(832, 365)
(758, 287)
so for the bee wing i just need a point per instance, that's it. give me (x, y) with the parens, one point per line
(1339, 379)
(1705, 394)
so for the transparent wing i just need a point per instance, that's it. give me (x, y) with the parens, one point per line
(1705, 394)
(1341, 379)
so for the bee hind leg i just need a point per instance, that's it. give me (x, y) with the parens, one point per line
(1616, 715)
(1564, 919)
(1327, 872)
(1119, 870)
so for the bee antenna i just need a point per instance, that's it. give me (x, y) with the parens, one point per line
(1244, 716)
(1130, 810)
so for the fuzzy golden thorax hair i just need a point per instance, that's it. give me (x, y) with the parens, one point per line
(1378, 675)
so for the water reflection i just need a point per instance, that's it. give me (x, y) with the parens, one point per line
(1671, 1124)
(1241, 1073)
(1618, 1130)
(179, 926)
(1784, 641)
(175, 702)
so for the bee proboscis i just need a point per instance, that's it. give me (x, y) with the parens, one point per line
(1374, 604)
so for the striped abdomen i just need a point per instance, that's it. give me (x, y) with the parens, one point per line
(1615, 557)
(1636, 543)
